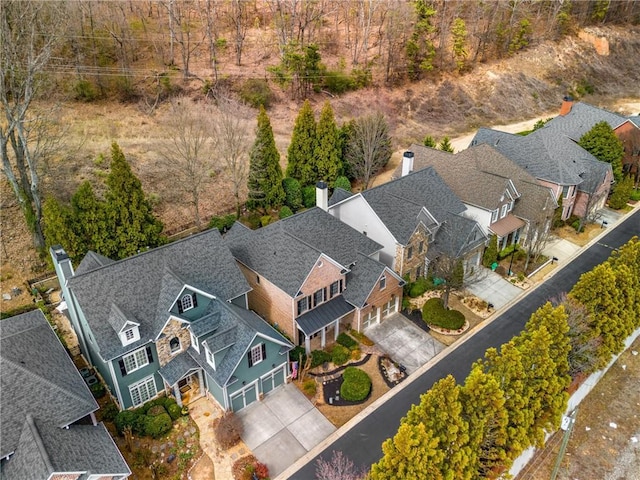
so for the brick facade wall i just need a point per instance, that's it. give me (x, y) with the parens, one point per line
(65, 476)
(171, 330)
(406, 265)
(378, 298)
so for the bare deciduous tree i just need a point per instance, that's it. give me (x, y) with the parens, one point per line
(239, 19)
(369, 147)
(539, 232)
(233, 133)
(188, 154)
(182, 31)
(338, 468)
(30, 31)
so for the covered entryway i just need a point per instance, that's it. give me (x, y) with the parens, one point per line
(244, 397)
(322, 321)
(273, 379)
(184, 377)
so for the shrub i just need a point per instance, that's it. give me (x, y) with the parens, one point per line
(285, 212)
(157, 426)
(635, 195)
(355, 354)
(621, 194)
(294, 355)
(362, 338)
(175, 411)
(356, 385)
(505, 252)
(318, 357)
(265, 220)
(340, 354)
(222, 223)
(98, 390)
(227, 430)
(256, 92)
(576, 226)
(346, 341)
(292, 193)
(85, 91)
(261, 470)
(110, 412)
(309, 196)
(309, 387)
(336, 81)
(130, 418)
(156, 410)
(433, 313)
(420, 286)
(343, 183)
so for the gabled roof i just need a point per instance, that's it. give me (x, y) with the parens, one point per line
(548, 155)
(398, 203)
(237, 328)
(43, 392)
(146, 285)
(455, 237)
(91, 261)
(286, 251)
(581, 118)
(362, 279)
(338, 195)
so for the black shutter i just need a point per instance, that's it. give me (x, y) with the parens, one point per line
(123, 369)
(264, 351)
(250, 359)
(179, 305)
(149, 354)
(195, 300)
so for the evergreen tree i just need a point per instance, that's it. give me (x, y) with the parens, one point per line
(420, 47)
(128, 212)
(484, 410)
(445, 145)
(429, 142)
(491, 252)
(328, 152)
(89, 218)
(265, 173)
(300, 155)
(602, 143)
(554, 319)
(292, 193)
(58, 227)
(412, 453)
(621, 193)
(343, 183)
(459, 34)
(440, 411)
(599, 291)
(629, 256)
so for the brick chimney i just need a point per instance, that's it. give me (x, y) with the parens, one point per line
(322, 196)
(407, 163)
(567, 103)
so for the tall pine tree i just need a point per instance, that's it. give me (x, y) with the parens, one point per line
(328, 153)
(128, 212)
(265, 173)
(602, 143)
(300, 155)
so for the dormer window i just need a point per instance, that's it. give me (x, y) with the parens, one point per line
(210, 358)
(194, 341)
(504, 210)
(187, 302)
(494, 216)
(174, 345)
(129, 334)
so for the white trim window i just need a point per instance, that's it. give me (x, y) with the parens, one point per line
(175, 345)
(135, 360)
(129, 334)
(304, 304)
(383, 282)
(186, 302)
(194, 341)
(494, 216)
(505, 208)
(211, 360)
(257, 354)
(335, 288)
(143, 391)
(318, 297)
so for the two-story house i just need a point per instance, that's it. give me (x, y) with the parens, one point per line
(311, 275)
(406, 216)
(503, 198)
(48, 427)
(557, 162)
(173, 319)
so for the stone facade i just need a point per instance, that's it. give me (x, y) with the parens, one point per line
(410, 259)
(171, 330)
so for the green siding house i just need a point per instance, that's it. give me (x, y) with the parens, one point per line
(173, 319)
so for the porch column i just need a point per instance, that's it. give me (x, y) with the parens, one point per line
(201, 382)
(177, 394)
(93, 419)
(336, 329)
(323, 337)
(307, 344)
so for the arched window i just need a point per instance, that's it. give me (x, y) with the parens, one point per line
(187, 302)
(174, 344)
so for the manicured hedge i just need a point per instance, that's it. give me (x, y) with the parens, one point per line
(433, 313)
(346, 341)
(356, 385)
(340, 354)
(157, 426)
(151, 418)
(318, 357)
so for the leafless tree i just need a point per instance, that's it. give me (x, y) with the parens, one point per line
(29, 34)
(182, 31)
(395, 35)
(208, 9)
(539, 232)
(233, 133)
(188, 155)
(338, 468)
(369, 147)
(591, 212)
(239, 19)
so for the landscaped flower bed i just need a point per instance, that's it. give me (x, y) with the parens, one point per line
(434, 314)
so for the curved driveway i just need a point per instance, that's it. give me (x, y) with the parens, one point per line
(362, 443)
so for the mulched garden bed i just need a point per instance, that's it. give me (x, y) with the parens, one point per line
(331, 393)
(391, 372)
(339, 369)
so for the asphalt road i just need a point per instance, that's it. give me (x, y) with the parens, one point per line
(362, 444)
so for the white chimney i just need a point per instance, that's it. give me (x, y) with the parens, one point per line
(322, 196)
(407, 163)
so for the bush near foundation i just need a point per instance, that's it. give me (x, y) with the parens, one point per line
(356, 385)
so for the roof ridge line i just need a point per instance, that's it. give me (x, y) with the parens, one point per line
(31, 424)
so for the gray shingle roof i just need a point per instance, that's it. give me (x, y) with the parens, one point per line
(286, 251)
(144, 286)
(178, 367)
(91, 261)
(323, 315)
(454, 237)
(581, 119)
(362, 278)
(42, 392)
(548, 155)
(237, 327)
(338, 195)
(399, 202)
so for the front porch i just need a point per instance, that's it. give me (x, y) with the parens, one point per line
(507, 230)
(184, 379)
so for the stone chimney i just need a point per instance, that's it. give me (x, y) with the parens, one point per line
(567, 103)
(322, 196)
(407, 163)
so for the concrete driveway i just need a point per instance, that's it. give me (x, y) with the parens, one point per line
(404, 342)
(492, 288)
(283, 427)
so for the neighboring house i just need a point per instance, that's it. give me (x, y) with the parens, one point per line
(406, 215)
(503, 198)
(577, 118)
(173, 319)
(48, 428)
(312, 275)
(557, 162)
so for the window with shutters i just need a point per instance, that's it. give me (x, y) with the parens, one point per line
(318, 297)
(186, 302)
(334, 289)
(257, 354)
(143, 391)
(135, 360)
(304, 305)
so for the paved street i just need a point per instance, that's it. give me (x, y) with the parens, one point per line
(362, 443)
